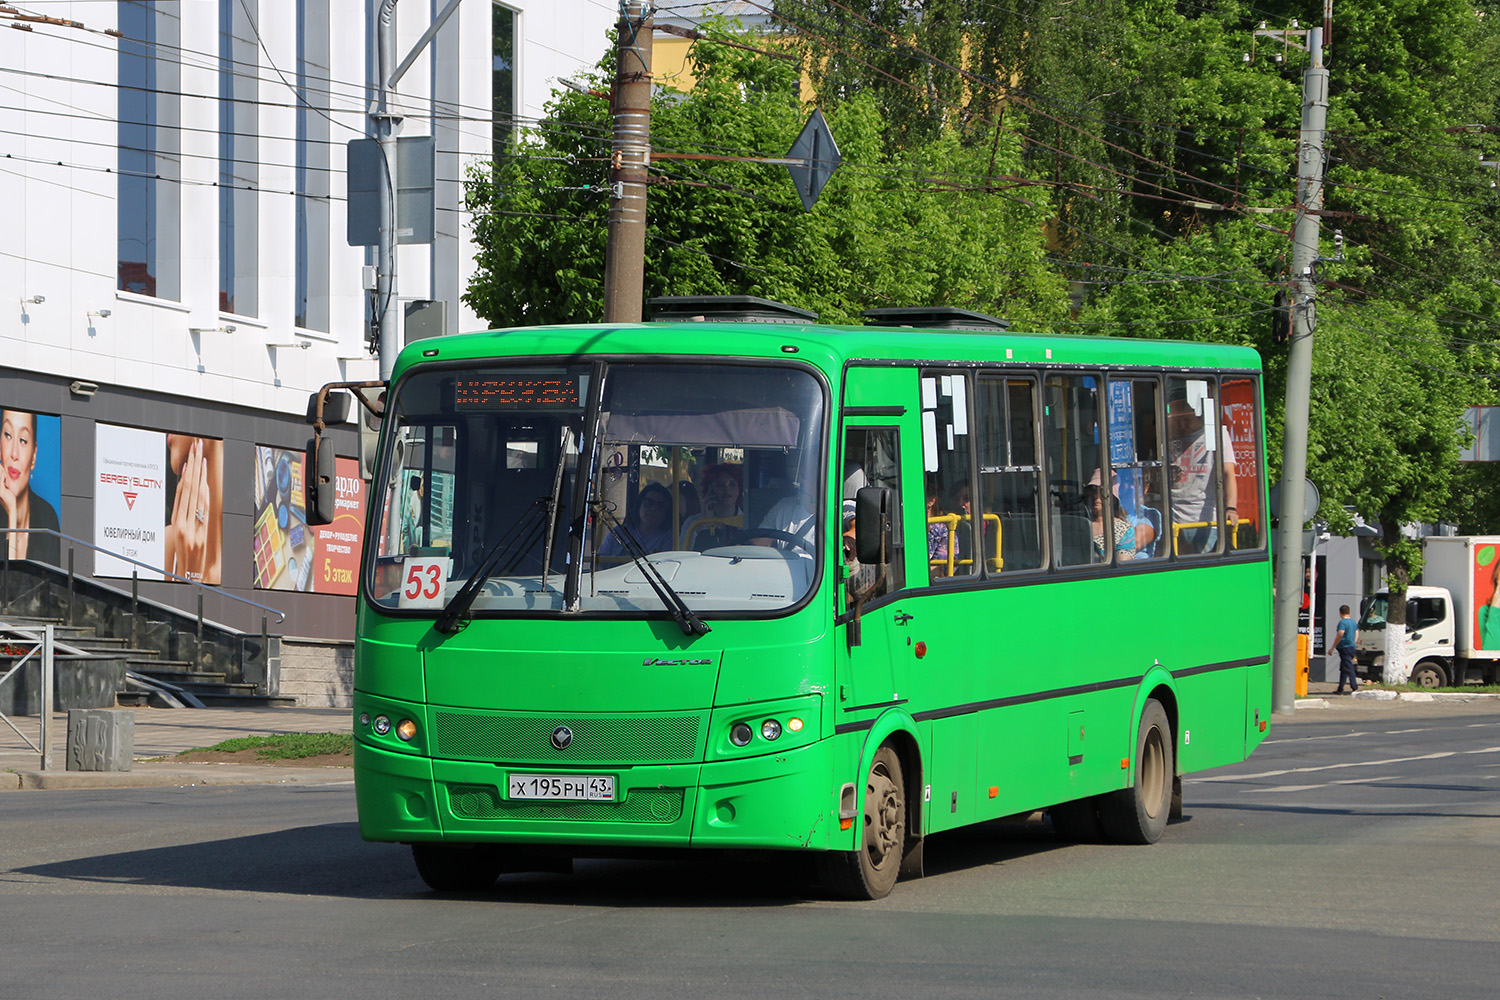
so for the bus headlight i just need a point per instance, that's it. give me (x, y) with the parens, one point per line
(382, 724)
(770, 729)
(739, 734)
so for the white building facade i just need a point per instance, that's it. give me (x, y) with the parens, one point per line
(174, 265)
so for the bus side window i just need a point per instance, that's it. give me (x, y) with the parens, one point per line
(871, 459)
(1238, 399)
(949, 494)
(1009, 475)
(1204, 485)
(1073, 458)
(1137, 479)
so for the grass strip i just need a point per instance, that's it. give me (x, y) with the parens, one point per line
(286, 746)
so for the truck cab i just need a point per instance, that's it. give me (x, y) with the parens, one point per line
(1430, 647)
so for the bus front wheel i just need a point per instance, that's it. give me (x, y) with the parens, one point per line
(870, 870)
(457, 868)
(1138, 814)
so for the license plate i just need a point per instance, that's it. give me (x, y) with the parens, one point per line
(563, 787)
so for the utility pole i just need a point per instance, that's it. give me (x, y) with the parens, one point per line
(383, 120)
(1310, 167)
(625, 250)
(384, 124)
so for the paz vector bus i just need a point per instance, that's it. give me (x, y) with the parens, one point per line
(791, 587)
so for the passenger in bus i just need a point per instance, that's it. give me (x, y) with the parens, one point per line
(1133, 532)
(651, 525)
(1112, 528)
(1195, 466)
(937, 531)
(723, 498)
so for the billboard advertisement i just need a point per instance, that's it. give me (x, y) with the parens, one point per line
(286, 552)
(31, 487)
(158, 500)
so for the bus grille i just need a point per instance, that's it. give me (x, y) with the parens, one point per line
(655, 805)
(527, 739)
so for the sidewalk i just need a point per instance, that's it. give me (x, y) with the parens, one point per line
(163, 732)
(1321, 694)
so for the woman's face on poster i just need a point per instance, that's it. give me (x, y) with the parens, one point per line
(17, 449)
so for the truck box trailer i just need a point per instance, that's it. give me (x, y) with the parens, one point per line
(1452, 618)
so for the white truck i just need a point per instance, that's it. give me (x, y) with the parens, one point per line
(1452, 619)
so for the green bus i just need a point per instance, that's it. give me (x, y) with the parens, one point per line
(793, 587)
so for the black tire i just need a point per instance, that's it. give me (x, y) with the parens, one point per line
(1077, 822)
(870, 871)
(1429, 674)
(457, 868)
(1138, 814)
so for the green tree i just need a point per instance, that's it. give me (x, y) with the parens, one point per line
(912, 227)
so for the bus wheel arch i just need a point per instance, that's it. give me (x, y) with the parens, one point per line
(1138, 813)
(905, 745)
(883, 848)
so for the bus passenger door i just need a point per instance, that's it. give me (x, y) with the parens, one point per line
(871, 606)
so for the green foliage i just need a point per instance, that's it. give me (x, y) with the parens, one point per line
(995, 154)
(906, 228)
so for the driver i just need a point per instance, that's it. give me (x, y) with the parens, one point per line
(793, 515)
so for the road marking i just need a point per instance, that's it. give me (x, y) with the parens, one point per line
(1354, 763)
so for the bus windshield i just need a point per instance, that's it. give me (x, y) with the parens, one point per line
(708, 472)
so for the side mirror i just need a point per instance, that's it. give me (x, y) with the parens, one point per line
(873, 506)
(318, 480)
(335, 407)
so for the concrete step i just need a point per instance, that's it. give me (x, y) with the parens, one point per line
(246, 701)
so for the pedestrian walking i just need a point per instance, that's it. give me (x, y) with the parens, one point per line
(1344, 646)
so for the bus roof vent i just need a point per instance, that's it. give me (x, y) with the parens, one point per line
(934, 318)
(725, 309)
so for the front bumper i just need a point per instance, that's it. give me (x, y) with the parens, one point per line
(781, 801)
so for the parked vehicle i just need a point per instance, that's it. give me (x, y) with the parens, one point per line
(1452, 619)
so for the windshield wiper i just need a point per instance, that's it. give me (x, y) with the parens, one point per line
(689, 622)
(554, 511)
(448, 621)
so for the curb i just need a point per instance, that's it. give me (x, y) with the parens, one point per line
(210, 775)
(1414, 697)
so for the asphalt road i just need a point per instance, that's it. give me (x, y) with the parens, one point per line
(1350, 857)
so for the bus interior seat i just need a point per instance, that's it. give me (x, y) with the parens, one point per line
(1020, 542)
(1073, 538)
(1151, 516)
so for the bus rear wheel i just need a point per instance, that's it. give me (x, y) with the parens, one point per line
(871, 869)
(1138, 814)
(457, 868)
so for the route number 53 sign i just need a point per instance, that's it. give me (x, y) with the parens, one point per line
(424, 582)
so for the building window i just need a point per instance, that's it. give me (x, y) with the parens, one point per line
(239, 171)
(313, 165)
(503, 77)
(148, 206)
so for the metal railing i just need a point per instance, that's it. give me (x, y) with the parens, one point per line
(42, 644)
(135, 577)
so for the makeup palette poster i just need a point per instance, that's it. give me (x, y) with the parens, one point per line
(290, 554)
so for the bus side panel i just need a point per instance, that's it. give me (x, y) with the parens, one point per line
(1212, 720)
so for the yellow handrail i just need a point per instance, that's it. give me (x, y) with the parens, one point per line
(951, 563)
